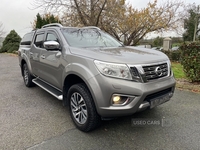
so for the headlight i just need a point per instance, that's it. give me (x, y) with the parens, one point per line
(114, 70)
(170, 68)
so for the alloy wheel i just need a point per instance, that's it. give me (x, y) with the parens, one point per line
(78, 108)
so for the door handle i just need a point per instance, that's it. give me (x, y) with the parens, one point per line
(43, 57)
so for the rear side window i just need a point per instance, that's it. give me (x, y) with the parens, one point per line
(39, 39)
(26, 40)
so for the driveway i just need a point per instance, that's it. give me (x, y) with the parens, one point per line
(32, 119)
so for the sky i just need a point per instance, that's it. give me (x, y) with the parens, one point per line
(18, 14)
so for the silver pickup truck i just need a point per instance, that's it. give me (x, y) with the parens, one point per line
(93, 73)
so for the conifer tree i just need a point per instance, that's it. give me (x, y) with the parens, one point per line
(45, 19)
(11, 42)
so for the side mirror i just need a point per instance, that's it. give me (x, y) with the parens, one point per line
(51, 45)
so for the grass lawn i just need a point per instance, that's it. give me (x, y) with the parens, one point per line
(181, 81)
(178, 70)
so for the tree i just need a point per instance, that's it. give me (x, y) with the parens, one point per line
(45, 19)
(135, 24)
(38, 22)
(192, 20)
(117, 17)
(158, 42)
(11, 42)
(1, 30)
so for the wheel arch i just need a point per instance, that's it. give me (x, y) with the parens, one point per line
(70, 80)
(25, 59)
(22, 64)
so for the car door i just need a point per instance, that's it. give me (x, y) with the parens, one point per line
(35, 52)
(51, 62)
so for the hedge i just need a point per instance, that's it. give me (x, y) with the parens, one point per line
(173, 55)
(190, 59)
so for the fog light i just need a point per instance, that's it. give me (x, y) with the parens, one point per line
(118, 99)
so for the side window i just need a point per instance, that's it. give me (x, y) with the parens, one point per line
(39, 40)
(26, 40)
(51, 37)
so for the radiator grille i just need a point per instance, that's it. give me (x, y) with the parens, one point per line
(156, 71)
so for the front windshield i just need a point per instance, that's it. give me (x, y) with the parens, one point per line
(89, 38)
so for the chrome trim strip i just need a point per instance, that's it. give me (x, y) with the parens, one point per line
(140, 69)
(144, 105)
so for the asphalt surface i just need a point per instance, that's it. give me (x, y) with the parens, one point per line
(32, 119)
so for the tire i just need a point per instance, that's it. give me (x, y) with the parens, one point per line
(27, 76)
(82, 108)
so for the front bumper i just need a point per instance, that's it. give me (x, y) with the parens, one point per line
(104, 87)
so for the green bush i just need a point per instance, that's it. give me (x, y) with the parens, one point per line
(173, 55)
(176, 55)
(190, 59)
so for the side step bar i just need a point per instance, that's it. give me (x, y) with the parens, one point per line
(53, 91)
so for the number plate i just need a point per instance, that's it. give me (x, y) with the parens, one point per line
(159, 100)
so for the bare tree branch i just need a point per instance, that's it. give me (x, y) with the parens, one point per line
(100, 12)
(117, 17)
(1, 30)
